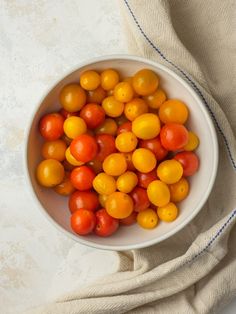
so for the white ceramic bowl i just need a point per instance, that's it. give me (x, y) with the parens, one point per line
(55, 207)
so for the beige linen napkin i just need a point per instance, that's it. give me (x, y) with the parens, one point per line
(193, 271)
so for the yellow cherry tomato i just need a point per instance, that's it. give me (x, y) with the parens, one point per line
(170, 171)
(147, 218)
(74, 126)
(50, 172)
(146, 126)
(158, 193)
(126, 142)
(119, 205)
(71, 159)
(156, 99)
(54, 150)
(115, 164)
(65, 188)
(168, 212)
(193, 142)
(112, 107)
(123, 92)
(102, 199)
(127, 182)
(72, 97)
(145, 82)
(104, 184)
(109, 79)
(90, 80)
(109, 126)
(173, 111)
(179, 190)
(121, 119)
(144, 160)
(135, 108)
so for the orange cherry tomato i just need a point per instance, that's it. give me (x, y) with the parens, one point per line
(51, 126)
(147, 219)
(173, 136)
(109, 79)
(125, 127)
(156, 99)
(168, 212)
(146, 126)
(114, 164)
(119, 205)
(65, 188)
(72, 97)
(83, 221)
(82, 178)
(158, 193)
(126, 182)
(123, 92)
(173, 111)
(83, 199)
(104, 184)
(155, 146)
(54, 150)
(112, 106)
(93, 115)
(50, 173)
(96, 96)
(90, 80)
(84, 148)
(106, 146)
(144, 179)
(170, 171)
(140, 199)
(135, 108)
(179, 190)
(74, 126)
(145, 82)
(109, 126)
(126, 142)
(130, 220)
(144, 160)
(106, 225)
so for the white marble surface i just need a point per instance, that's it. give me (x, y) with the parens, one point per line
(40, 40)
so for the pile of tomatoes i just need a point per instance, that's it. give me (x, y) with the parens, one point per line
(119, 149)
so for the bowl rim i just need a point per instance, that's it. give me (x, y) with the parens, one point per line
(179, 226)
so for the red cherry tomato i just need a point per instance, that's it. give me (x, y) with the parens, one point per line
(106, 225)
(145, 178)
(106, 146)
(173, 136)
(93, 115)
(51, 126)
(84, 147)
(83, 199)
(125, 127)
(83, 221)
(131, 219)
(82, 178)
(189, 161)
(140, 198)
(66, 114)
(155, 146)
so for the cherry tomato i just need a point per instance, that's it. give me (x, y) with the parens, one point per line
(50, 172)
(173, 136)
(130, 220)
(119, 205)
(54, 150)
(155, 146)
(173, 111)
(170, 171)
(146, 126)
(156, 99)
(123, 92)
(125, 127)
(102, 199)
(145, 82)
(158, 193)
(106, 146)
(126, 182)
(83, 199)
(74, 126)
(121, 120)
(90, 80)
(66, 114)
(168, 212)
(96, 96)
(109, 79)
(72, 97)
(93, 115)
(140, 199)
(189, 161)
(147, 219)
(193, 142)
(83, 221)
(51, 126)
(112, 106)
(96, 165)
(82, 178)
(135, 108)
(106, 225)
(144, 179)
(109, 126)
(65, 188)
(144, 160)
(84, 148)
(71, 159)
(104, 184)
(126, 142)
(128, 158)
(179, 190)
(115, 164)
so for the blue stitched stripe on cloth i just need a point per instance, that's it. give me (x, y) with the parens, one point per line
(233, 214)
